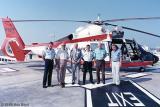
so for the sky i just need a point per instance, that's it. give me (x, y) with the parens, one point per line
(79, 10)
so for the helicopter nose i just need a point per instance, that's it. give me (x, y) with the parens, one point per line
(155, 59)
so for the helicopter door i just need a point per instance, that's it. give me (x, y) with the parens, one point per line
(125, 53)
(132, 51)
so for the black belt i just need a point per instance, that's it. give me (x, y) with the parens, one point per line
(115, 61)
(100, 60)
(49, 59)
(87, 61)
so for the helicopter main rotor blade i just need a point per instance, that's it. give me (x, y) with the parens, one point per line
(50, 21)
(88, 21)
(130, 19)
(128, 28)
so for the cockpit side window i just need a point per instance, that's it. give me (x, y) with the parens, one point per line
(93, 46)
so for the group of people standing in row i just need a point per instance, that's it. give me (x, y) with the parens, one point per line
(76, 58)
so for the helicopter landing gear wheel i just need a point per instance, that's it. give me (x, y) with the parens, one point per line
(141, 69)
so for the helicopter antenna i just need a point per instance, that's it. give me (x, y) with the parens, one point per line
(98, 17)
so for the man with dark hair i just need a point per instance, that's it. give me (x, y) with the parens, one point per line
(115, 63)
(88, 56)
(48, 57)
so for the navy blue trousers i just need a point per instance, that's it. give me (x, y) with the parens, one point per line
(48, 72)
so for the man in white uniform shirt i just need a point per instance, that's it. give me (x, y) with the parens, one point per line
(87, 57)
(48, 56)
(62, 56)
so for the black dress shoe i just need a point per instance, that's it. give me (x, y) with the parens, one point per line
(44, 86)
(62, 85)
(50, 85)
(98, 82)
(79, 82)
(73, 83)
(92, 82)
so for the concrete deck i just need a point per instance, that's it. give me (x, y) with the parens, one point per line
(22, 87)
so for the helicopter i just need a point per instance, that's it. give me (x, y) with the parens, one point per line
(92, 33)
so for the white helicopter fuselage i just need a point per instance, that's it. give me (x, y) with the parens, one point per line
(88, 31)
